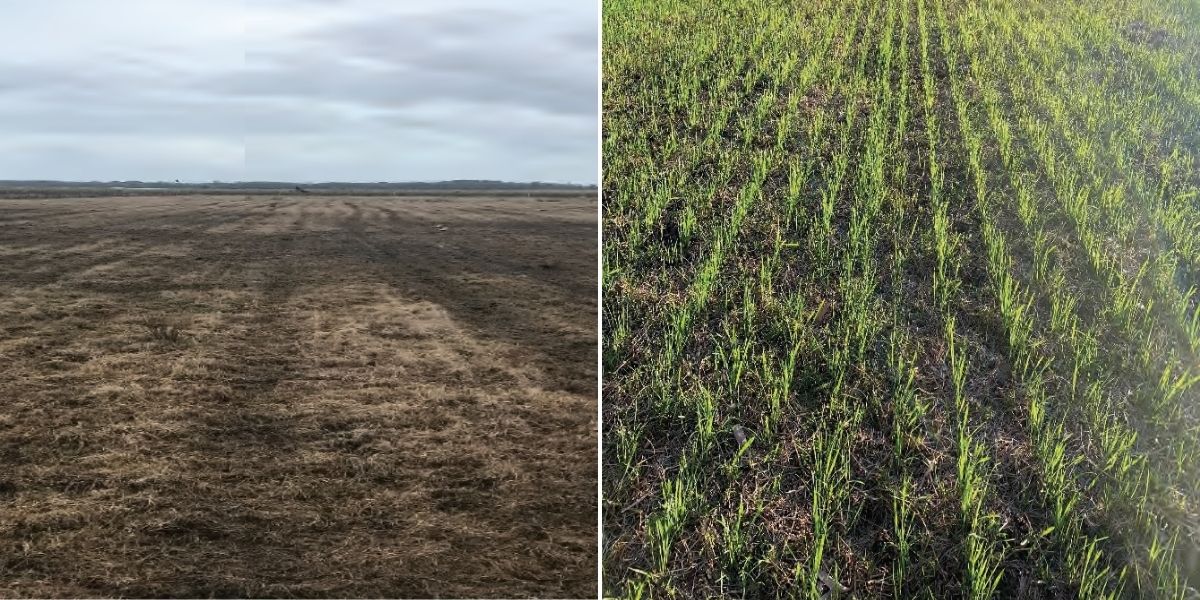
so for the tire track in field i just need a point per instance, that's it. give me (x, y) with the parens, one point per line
(235, 419)
(420, 274)
(69, 207)
(112, 211)
(57, 269)
(462, 280)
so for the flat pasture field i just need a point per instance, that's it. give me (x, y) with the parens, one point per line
(901, 299)
(298, 396)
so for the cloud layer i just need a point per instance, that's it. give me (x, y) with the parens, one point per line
(303, 90)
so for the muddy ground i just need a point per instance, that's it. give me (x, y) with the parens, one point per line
(298, 396)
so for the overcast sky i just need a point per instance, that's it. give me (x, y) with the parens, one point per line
(298, 90)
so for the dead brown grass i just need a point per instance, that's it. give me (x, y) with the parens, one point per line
(216, 396)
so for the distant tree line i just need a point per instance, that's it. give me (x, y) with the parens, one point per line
(458, 184)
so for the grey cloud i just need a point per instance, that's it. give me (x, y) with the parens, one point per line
(485, 57)
(370, 95)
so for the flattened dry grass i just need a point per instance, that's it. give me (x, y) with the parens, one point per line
(302, 398)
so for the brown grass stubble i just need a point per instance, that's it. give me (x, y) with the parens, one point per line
(298, 397)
